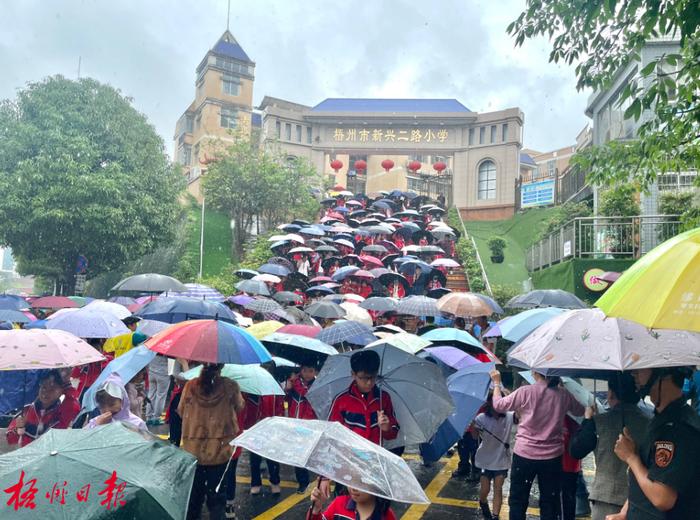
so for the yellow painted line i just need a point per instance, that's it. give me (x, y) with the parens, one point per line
(285, 505)
(416, 511)
(285, 483)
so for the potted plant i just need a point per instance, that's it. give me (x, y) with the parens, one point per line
(496, 245)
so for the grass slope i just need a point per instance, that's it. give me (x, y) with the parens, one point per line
(519, 232)
(217, 239)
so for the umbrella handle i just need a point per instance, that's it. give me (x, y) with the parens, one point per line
(223, 475)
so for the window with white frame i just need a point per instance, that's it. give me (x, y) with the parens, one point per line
(487, 180)
(230, 85)
(229, 118)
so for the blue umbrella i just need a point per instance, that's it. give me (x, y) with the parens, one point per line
(175, 310)
(517, 327)
(396, 193)
(38, 324)
(409, 267)
(17, 388)
(276, 269)
(452, 335)
(341, 209)
(319, 289)
(13, 302)
(469, 388)
(291, 228)
(13, 316)
(344, 272)
(381, 205)
(127, 366)
(312, 230)
(347, 332)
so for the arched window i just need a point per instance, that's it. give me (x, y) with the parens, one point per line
(487, 181)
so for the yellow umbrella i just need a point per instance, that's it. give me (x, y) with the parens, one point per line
(264, 328)
(662, 289)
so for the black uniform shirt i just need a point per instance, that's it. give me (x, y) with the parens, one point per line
(671, 452)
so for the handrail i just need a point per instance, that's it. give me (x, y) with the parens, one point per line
(487, 285)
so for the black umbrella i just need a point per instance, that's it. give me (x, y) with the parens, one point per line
(375, 249)
(176, 310)
(388, 278)
(253, 287)
(300, 222)
(150, 283)
(280, 260)
(326, 249)
(438, 293)
(379, 304)
(347, 332)
(422, 234)
(262, 305)
(546, 298)
(246, 274)
(288, 297)
(388, 259)
(274, 269)
(325, 309)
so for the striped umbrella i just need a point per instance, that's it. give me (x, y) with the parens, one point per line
(202, 292)
(418, 306)
(262, 305)
(347, 331)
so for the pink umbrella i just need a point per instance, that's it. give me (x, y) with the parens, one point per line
(29, 315)
(320, 279)
(53, 302)
(145, 299)
(610, 276)
(363, 274)
(39, 348)
(371, 261)
(301, 330)
(444, 262)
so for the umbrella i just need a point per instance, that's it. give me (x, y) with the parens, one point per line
(264, 328)
(356, 313)
(363, 274)
(115, 309)
(469, 388)
(262, 305)
(300, 349)
(347, 332)
(464, 305)
(13, 302)
(444, 262)
(319, 289)
(253, 287)
(452, 335)
(288, 297)
(175, 310)
(203, 292)
(333, 451)
(326, 249)
(82, 301)
(39, 348)
(371, 261)
(240, 299)
(274, 269)
(149, 283)
(418, 306)
(301, 250)
(585, 339)
(313, 231)
(13, 316)
(418, 391)
(245, 274)
(493, 303)
(344, 272)
(409, 267)
(380, 304)
(520, 325)
(387, 278)
(310, 331)
(86, 323)
(610, 276)
(54, 302)
(375, 249)
(122, 300)
(146, 475)
(405, 341)
(279, 244)
(151, 327)
(252, 379)
(209, 341)
(661, 289)
(126, 366)
(325, 309)
(450, 359)
(438, 293)
(546, 298)
(344, 242)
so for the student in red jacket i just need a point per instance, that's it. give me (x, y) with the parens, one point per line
(48, 411)
(257, 408)
(356, 504)
(300, 408)
(359, 407)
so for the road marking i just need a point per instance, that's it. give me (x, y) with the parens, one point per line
(285, 505)
(416, 511)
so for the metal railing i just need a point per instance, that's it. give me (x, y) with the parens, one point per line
(602, 237)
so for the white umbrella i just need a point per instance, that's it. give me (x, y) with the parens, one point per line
(356, 313)
(267, 278)
(116, 309)
(405, 341)
(87, 323)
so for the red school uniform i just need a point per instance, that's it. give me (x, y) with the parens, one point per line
(359, 412)
(344, 508)
(298, 406)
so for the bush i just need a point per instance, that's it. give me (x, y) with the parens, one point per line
(496, 245)
(620, 201)
(466, 254)
(503, 293)
(565, 213)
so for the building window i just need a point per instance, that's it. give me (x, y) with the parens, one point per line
(482, 134)
(471, 136)
(198, 121)
(493, 134)
(308, 134)
(233, 66)
(196, 154)
(229, 118)
(230, 85)
(551, 168)
(278, 129)
(288, 131)
(487, 181)
(184, 155)
(504, 132)
(298, 133)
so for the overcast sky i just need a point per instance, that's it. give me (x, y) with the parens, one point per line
(305, 51)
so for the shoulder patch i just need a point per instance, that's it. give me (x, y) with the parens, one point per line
(663, 453)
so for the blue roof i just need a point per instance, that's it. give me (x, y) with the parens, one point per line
(389, 105)
(256, 120)
(526, 159)
(232, 50)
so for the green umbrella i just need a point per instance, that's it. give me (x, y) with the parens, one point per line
(253, 379)
(135, 474)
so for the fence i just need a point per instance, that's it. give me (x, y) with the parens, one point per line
(602, 237)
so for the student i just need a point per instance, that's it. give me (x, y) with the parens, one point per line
(571, 467)
(158, 386)
(356, 504)
(260, 407)
(300, 408)
(493, 455)
(359, 407)
(46, 412)
(113, 402)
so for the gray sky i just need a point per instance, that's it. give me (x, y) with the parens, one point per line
(304, 51)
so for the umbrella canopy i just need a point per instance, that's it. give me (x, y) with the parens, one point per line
(151, 327)
(347, 332)
(409, 267)
(126, 366)
(452, 335)
(288, 297)
(175, 310)
(492, 303)
(363, 274)
(245, 274)
(333, 451)
(54, 302)
(203, 292)
(356, 313)
(326, 249)
(444, 262)
(253, 287)
(418, 391)
(587, 339)
(344, 272)
(418, 306)
(252, 379)
(153, 473)
(86, 323)
(468, 388)
(209, 341)
(325, 309)
(310, 331)
(313, 231)
(13, 316)
(13, 302)
(661, 289)
(403, 340)
(115, 309)
(275, 269)
(517, 327)
(300, 349)
(264, 328)
(371, 261)
(546, 298)
(262, 305)
(82, 301)
(149, 283)
(318, 290)
(451, 357)
(380, 304)
(122, 300)
(240, 299)
(464, 305)
(39, 348)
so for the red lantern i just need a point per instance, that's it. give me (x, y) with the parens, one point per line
(439, 167)
(414, 166)
(360, 165)
(336, 165)
(387, 164)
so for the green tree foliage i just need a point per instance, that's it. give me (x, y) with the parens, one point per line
(247, 181)
(563, 214)
(619, 201)
(503, 293)
(602, 37)
(81, 173)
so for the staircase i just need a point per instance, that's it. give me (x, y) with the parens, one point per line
(457, 281)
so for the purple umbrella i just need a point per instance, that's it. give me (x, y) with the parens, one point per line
(495, 330)
(240, 299)
(452, 357)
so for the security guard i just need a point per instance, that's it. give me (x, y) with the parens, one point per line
(664, 472)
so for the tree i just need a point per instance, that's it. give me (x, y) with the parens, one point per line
(619, 201)
(248, 182)
(81, 173)
(604, 36)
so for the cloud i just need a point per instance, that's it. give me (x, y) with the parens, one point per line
(304, 52)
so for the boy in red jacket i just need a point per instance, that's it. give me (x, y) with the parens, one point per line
(257, 408)
(300, 408)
